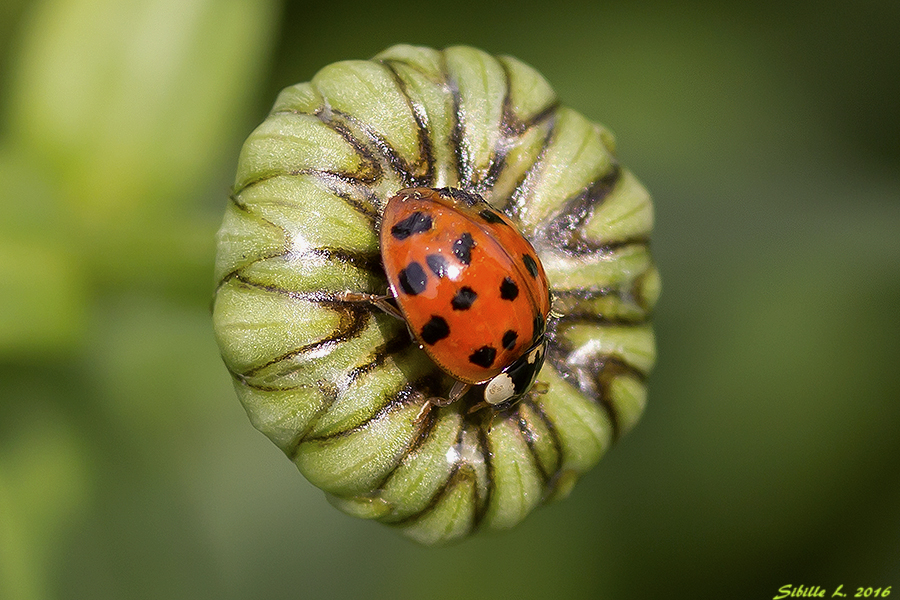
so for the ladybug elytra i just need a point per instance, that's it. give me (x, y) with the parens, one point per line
(471, 289)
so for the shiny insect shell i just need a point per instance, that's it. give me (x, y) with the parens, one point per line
(471, 288)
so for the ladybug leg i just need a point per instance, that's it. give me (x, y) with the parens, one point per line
(477, 407)
(380, 302)
(456, 392)
(493, 413)
(540, 387)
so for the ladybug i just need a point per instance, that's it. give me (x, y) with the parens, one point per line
(471, 289)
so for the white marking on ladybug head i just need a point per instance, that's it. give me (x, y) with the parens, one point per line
(499, 389)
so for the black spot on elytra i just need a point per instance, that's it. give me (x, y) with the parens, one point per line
(483, 357)
(530, 265)
(418, 222)
(509, 339)
(491, 217)
(434, 330)
(462, 248)
(413, 279)
(437, 264)
(464, 298)
(508, 289)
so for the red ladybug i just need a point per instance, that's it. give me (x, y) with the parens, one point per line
(471, 289)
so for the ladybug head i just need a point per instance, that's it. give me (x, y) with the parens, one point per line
(508, 387)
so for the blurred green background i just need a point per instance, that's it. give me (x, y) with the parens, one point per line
(769, 136)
